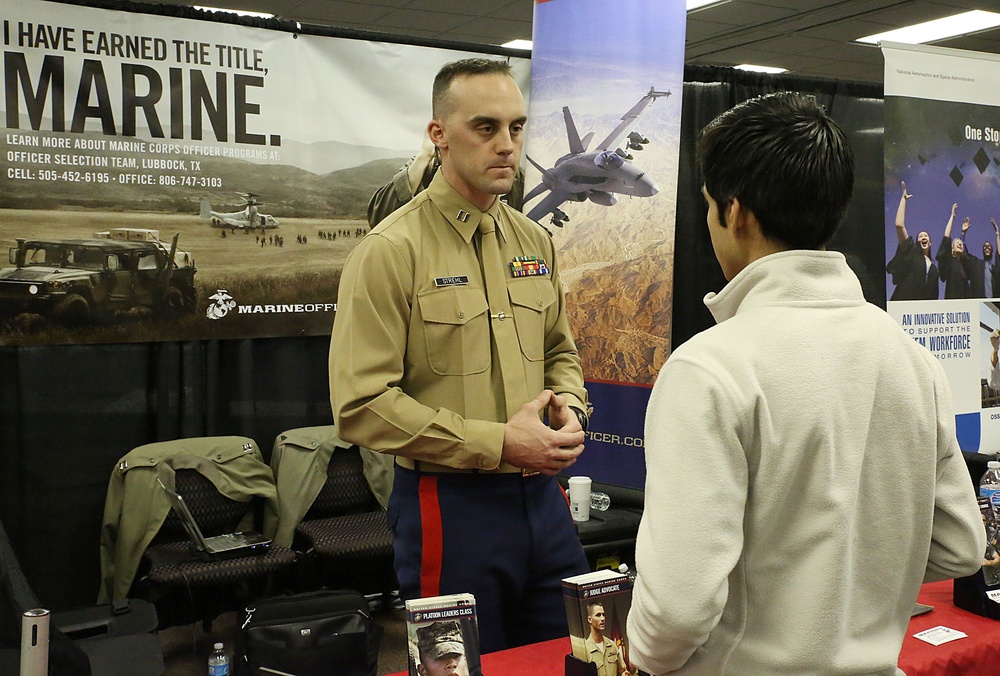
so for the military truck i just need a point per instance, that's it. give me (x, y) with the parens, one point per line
(78, 281)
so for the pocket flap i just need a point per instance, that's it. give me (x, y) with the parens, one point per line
(534, 294)
(452, 306)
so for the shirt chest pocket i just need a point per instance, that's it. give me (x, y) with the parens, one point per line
(456, 330)
(530, 299)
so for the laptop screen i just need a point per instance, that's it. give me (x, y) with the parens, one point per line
(184, 514)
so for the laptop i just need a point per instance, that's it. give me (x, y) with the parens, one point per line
(230, 545)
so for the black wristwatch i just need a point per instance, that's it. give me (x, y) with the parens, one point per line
(582, 417)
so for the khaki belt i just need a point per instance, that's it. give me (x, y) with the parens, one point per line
(432, 468)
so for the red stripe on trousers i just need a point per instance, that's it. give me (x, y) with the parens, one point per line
(431, 545)
(565, 497)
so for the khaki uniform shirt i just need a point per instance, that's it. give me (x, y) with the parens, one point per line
(607, 660)
(412, 367)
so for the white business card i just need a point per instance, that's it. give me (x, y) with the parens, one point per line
(938, 635)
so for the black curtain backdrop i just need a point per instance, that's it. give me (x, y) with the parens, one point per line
(70, 412)
(67, 413)
(857, 107)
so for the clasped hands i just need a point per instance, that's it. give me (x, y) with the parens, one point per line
(531, 445)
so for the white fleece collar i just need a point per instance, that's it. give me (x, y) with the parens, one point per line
(797, 276)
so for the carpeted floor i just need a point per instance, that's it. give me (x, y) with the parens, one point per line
(186, 648)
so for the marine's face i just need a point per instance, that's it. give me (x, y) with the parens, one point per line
(480, 135)
(447, 665)
(957, 246)
(597, 618)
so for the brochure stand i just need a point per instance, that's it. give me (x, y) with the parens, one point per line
(577, 667)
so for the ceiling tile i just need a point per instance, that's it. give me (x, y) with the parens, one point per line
(413, 19)
(521, 10)
(338, 12)
(495, 32)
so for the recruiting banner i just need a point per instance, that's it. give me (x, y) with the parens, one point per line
(942, 209)
(602, 151)
(177, 179)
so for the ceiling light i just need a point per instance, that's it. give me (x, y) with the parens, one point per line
(760, 69)
(703, 4)
(517, 44)
(239, 12)
(939, 29)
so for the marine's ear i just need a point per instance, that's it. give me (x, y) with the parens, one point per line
(437, 135)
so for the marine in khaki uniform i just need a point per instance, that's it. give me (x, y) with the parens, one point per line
(451, 344)
(601, 650)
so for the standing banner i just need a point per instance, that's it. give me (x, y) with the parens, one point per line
(174, 179)
(942, 209)
(602, 150)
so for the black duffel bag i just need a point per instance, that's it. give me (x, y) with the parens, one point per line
(321, 632)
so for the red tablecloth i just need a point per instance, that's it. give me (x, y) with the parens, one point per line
(976, 655)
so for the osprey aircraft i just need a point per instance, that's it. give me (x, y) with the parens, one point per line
(247, 219)
(597, 175)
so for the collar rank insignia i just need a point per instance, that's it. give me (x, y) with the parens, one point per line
(528, 266)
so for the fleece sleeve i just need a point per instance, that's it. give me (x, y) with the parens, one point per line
(691, 534)
(958, 538)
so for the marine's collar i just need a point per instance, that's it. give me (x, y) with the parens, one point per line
(460, 212)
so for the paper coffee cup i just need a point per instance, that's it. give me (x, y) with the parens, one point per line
(579, 497)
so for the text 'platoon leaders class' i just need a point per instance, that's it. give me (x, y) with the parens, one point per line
(217, 82)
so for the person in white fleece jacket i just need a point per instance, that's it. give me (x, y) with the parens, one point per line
(803, 477)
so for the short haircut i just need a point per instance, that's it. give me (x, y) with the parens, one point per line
(464, 67)
(592, 605)
(785, 160)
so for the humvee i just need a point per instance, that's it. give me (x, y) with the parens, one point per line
(77, 281)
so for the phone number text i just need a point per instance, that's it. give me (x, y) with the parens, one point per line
(22, 174)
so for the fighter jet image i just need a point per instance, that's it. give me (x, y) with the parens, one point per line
(247, 219)
(597, 175)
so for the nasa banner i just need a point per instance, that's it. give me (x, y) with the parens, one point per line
(178, 179)
(602, 155)
(942, 209)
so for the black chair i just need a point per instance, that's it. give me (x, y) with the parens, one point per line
(344, 533)
(183, 584)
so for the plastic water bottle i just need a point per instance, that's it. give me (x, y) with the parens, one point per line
(218, 661)
(601, 501)
(989, 485)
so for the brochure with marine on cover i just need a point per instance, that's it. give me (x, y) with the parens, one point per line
(597, 605)
(443, 635)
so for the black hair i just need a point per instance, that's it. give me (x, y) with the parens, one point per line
(450, 71)
(785, 160)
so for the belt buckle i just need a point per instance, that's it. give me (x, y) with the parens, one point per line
(529, 472)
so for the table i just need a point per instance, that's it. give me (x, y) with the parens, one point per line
(976, 655)
(538, 659)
